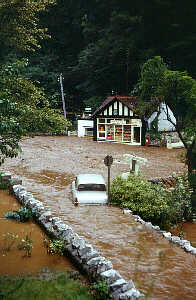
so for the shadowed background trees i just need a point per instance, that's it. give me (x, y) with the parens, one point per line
(100, 45)
(97, 45)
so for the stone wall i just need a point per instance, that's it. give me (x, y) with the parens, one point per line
(89, 260)
(184, 244)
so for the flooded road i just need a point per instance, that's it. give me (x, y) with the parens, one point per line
(49, 164)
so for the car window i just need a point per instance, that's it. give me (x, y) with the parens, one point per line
(91, 187)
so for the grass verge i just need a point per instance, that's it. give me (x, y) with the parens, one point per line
(59, 287)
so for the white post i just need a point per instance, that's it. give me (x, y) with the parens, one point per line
(62, 95)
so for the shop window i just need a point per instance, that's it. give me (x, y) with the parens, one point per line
(118, 133)
(102, 121)
(101, 128)
(127, 133)
(102, 134)
(110, 132)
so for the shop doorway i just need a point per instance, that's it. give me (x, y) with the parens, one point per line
(136, 134)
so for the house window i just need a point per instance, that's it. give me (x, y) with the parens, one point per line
(115, 112)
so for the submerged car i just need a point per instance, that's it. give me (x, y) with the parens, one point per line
(89, 189)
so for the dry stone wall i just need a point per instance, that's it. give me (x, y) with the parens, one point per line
(89, 260)
(184, 244)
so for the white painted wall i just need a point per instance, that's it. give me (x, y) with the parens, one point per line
(82, 124)
(163, 124)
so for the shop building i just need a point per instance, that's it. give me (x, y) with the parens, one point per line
(115, 120)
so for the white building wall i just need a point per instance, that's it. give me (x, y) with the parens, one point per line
(120, 109)
(126, 111)
(163, 123)
(82, 124)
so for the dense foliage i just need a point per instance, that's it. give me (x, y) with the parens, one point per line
(24, 109)
(157, 83)
(151, 201)
(19, 24)
(98, 45)
(23, 214)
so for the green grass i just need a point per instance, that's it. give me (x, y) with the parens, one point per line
(60, 287)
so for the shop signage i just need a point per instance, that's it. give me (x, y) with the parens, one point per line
(118, 122)
(136, 122)
(108, 160)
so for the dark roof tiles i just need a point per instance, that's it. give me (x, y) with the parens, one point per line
(129, 101)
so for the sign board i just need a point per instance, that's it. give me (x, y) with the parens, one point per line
(136, 122)
(118, 122)
(108, 160)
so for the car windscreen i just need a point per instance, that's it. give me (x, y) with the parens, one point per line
(91, 187)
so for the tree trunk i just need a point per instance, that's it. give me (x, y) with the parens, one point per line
(144, 129)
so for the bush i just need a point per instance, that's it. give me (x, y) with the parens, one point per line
(102, 290)
(26, 245)
(151, 201)
(23, 214)
(179, 200)
(192, 180)
(54, 246)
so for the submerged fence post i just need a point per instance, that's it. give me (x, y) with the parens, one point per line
(133, 165)
(108, 161)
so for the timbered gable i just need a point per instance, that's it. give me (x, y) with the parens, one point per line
(116, 108)
(122, 106)
(116, 121)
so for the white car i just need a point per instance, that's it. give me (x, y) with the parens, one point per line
(89, 189)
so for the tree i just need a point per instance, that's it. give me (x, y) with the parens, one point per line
(152, 72)
(178, 90)
(179, 93)
(19, 25)
(24, 109)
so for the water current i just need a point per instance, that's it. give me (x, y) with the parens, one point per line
(49, 164)
(14, 262)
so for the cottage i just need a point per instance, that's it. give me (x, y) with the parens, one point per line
(162, 116)
(115, 120)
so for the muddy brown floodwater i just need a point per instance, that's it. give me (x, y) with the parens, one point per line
(49, 164)
(14, 262)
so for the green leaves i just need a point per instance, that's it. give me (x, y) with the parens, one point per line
(23, 214)
(151, 201)
(178, 91)
(24, 110)
(19, 25)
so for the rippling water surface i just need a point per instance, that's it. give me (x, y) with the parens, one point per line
(13, 262)
(48, 166)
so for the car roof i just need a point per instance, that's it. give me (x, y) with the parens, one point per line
(90, 178)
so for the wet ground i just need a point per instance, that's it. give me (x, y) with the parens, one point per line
(49, 164)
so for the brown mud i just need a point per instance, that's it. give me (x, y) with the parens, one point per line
(14, 262)
(47, 167)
